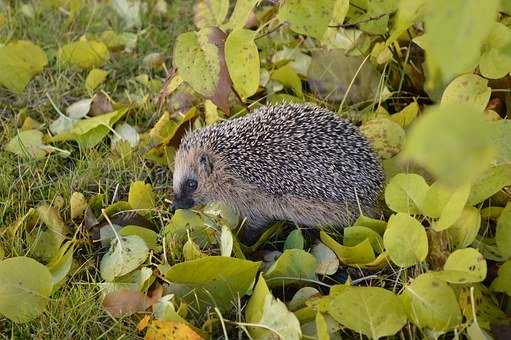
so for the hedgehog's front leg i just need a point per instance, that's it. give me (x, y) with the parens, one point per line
(252, 229)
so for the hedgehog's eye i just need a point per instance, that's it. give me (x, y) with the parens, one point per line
(191, 184)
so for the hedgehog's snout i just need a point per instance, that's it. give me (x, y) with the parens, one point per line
(183, 196)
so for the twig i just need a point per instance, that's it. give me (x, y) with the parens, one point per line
(354, 24)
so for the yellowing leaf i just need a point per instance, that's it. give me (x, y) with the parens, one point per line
(263, 309)
(20, 61)
(242, 60)
(78, 205)
(386, 136)
(503, 233)
(468, 89)
(141, 196)
(464, 266)
(357, 234)
(407, 115)
(372, 311)
(149, 236)
(453, 208)
(453, 141)
(405, 193)
(210, 12)
(431, 303)
(502, 282)
(95, 78)
(85, 54)
(46, 239)
(25, 287)
(464, 231)
(405, 240)
(307, 19)
(240, 14)
(489, 183)
(408, 12)
(360, 254)
(28, 144)
(176, 330)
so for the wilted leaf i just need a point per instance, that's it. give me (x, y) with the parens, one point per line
(431, 303)
(141, 196)
(126, 253)
(85, 54)
(242, 59)
(95, 78)
(360, 254)
(405, 193)
(503, 233)
(199, 58)
(405, 240)
(263, 309)
(28, 144)
(501, 283)
(222, 280)
(89, 132)
(226, 241)
(386, 136)
(79, 109)
(373, 311)
(453, 142)
(306, 19)
(125, 302)
(25, 287)
(468, 89)
(464, 266)
(20, 61)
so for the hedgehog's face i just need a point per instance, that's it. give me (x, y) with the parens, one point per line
(192, 169)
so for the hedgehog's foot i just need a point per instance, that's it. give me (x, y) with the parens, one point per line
(252, 230)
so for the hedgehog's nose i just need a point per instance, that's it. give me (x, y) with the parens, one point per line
(182, 203)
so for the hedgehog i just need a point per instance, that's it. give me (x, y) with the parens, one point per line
(291, 162)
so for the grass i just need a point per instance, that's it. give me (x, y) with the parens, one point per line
(74, 311)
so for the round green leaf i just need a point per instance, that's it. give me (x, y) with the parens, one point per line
(85, 54)
(405, 193)
(125, 255)
(305, 18)
(468, 89)
(386, 136)
(431, 303)
(489, 183)
(141, 196)
(357, 234)
(25, 286)
(503, 281)
(453, 208)
(149, 236)
(242, 60)
(503, 233)
(495, 59)
(464, 231)
(453, 141)
(372, 311)
(464, 266)
(405, 240)
(294, 240)
(292, 266)
(436, 199)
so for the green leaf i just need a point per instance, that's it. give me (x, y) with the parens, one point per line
(95, 78)
(199, 58)
(372, 311)
(242, 60)
(464, 231)
(377, 225)
(405, 193)
(501, 283)
(89, 132)
(408, 12)
(464, 266)
(25, 287)
(141, 196)
(126, 253)
(328, 263)
(306, 19)
(435, 199)
(222, 279)
(61, 264)
(503, 233)
(453, 208)
(386, 136)
(501, 132)
(277, 321)
(407, 115)
(191, 251)
(453, 141)
(431, 303)
(468, 89)
(357, 234)
(48, 238)
(489, 183)
(210, 12)
(360, 254)
(288, 77)
(84, 54)
(20, 61)
(28, 144)
(149, 236)
(495, 59)
(240, 14)
(291, 267)
(405, 240)
(294, 240)
(446, 54)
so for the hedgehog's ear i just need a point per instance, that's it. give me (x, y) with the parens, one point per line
(206, 164)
